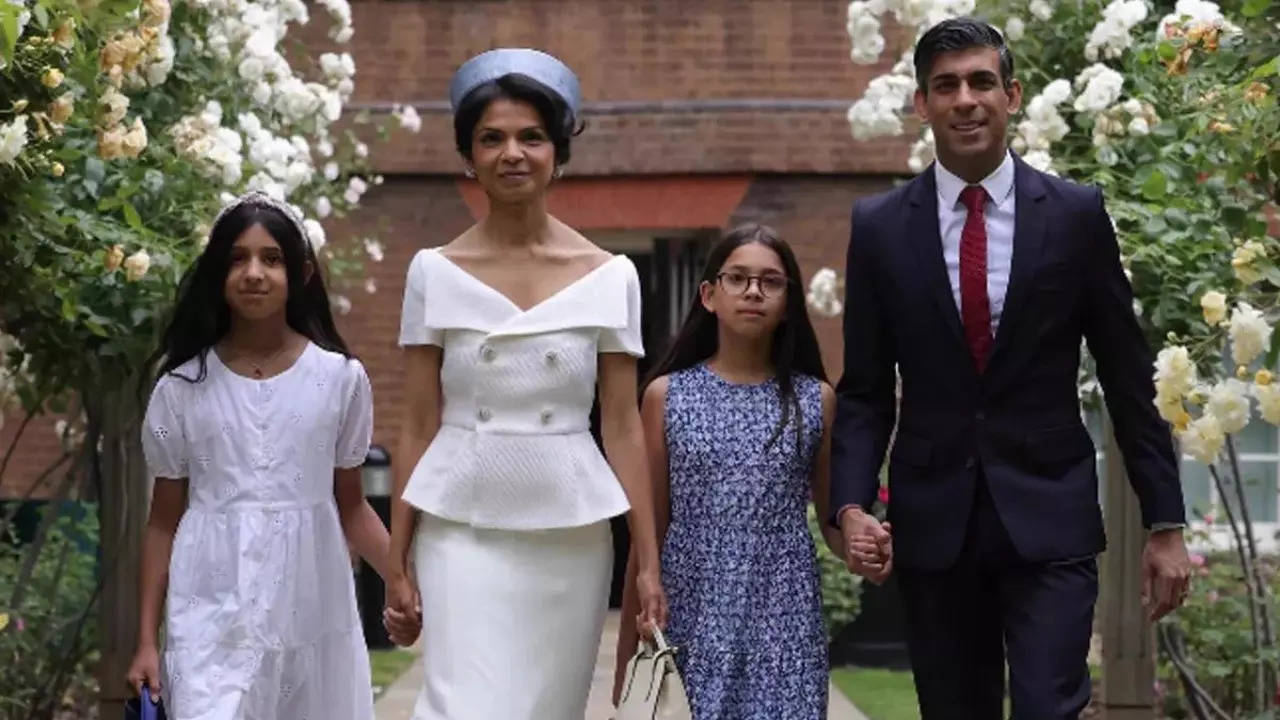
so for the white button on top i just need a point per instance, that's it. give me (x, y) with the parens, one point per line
(552, 356)
(484, 414)
(546, 416)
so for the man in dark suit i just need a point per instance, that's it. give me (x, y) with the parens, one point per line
(977, 281)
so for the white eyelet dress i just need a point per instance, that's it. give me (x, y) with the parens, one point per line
(260, 618)
(513, 551)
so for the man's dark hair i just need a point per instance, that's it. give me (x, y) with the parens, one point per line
(962, 33)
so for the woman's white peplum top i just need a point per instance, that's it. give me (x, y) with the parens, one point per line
(514, 450)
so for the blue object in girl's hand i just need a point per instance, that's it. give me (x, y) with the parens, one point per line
(143, 709)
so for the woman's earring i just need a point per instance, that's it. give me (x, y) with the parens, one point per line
(558, 172)
(469, 172)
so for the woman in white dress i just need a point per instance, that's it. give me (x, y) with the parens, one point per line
(255, 432)
(501, 491)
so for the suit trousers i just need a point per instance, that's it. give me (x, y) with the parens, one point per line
(964, 621)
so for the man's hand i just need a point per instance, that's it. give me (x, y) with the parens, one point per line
(1166, 573)
(868, 545)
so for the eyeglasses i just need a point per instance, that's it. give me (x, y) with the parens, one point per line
(737, 283)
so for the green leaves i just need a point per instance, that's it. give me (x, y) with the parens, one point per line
(1155, 186)
(8, 31)
(1254, 8)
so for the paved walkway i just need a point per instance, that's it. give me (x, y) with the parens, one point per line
(397, 702)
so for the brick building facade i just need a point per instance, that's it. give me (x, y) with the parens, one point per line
(700, 114)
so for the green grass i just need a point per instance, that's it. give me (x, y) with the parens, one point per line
(387, 665)
(891, 694)
(879, 694)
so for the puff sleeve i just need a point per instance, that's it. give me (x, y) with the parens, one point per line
(164, 440)
(413, 324)
(628, 338)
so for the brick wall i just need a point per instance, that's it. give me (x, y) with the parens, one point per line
(673, 87)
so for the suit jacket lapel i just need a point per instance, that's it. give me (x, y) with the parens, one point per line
(1028, 243)
(924, 234)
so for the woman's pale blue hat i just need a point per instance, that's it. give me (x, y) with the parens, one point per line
(540, 66)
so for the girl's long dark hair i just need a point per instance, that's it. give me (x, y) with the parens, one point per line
(201, 316)
(795, 344)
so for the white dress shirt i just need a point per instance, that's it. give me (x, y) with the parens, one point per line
(999, 214)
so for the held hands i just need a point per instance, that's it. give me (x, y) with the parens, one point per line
(868, 545)
(402, 617)
(1166, 573)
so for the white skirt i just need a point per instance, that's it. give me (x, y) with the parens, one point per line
(511, 620)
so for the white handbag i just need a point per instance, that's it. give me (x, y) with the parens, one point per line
(652, 689)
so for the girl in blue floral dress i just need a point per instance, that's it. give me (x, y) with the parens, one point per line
(737, 423)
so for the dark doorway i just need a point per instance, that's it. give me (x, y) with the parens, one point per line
(668, 274)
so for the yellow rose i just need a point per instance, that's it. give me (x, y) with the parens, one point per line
(52, 77)
(112, 54)
(155, 12)
(111, 143)
(115, 76)
(57, 169)
(1219, 126)
(4, 620)
(114, 258)
(1214, 305)
(60, 110)
(136, 266)
(1255, 93)
(135, 141)
(20, 106)
(65, 34)
(1264, 377)
(1242, 372)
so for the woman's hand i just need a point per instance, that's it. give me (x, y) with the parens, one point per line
(402, 616)
(145, 670)
(653, 602)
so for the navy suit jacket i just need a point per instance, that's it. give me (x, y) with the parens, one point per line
(1018, 423)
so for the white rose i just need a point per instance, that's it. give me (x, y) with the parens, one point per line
(1250, 334)
(341, 304)
(331, 171)
(1202, 439)
(1138, 127)
(370, 286)
(409, 119)
(1229, 403)
(344, 35)
(1175, 373)
(251, 69)
(13, 139)
(315, 233)
(262, 93)
(1041, 9)
(1040, 160)
(323, 207)
(361, 150)
(1058, 91)
(1102, 87)
(1214, 305)
(136, 266)
(324, 148)
(1268, 402)
(114, 106)
(1015, 29)
(374, 249)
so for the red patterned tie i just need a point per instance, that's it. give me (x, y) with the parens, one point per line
(975, 310)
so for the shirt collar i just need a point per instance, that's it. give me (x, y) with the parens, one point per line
(999, 184)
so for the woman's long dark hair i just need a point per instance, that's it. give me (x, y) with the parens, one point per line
(201, 316)
(795, 344)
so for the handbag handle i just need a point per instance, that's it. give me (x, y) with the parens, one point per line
(147, 708)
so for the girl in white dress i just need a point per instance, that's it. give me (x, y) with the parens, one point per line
(510, 332)
(254, 433)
